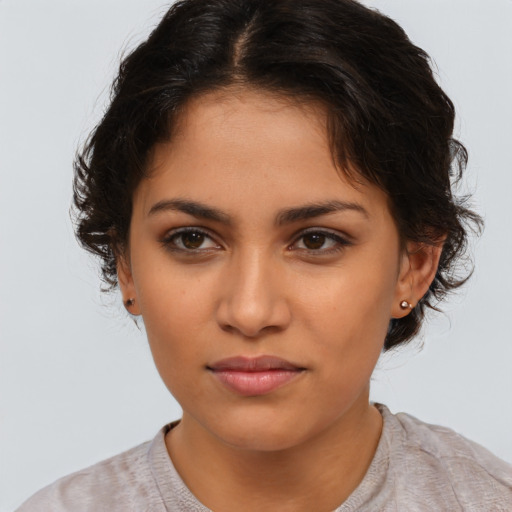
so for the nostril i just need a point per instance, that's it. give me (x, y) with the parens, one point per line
(251, 334)
(227, 328)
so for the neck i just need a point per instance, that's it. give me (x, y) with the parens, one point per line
(318, 474)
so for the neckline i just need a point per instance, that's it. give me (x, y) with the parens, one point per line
(176, 495)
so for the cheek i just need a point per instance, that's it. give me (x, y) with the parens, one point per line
(173, 320)
(350, 302)
(349, 333)
(348, 312)
(177, 306)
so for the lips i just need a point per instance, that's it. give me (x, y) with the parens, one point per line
(254, 376)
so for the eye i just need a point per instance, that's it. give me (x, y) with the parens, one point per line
(189, 240)
(320, 241)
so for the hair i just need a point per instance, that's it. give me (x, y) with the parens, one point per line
(387, 118)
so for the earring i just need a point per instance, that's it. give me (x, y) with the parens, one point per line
(129, 302)
(406, 305)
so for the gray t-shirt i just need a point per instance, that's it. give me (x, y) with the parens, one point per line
(417, 467)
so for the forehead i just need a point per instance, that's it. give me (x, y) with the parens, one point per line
(242, 118)
(250, 144)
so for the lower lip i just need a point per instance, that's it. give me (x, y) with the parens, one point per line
(255, 383)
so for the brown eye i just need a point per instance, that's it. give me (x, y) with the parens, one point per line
(314, 240)
(320, 243)
(192, 239)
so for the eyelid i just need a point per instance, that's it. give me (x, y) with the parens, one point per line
(166, 240)
(342, 240)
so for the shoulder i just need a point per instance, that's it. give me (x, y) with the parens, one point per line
(430, 459)
(122, 482)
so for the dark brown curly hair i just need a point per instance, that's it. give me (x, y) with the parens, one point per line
(387, 116)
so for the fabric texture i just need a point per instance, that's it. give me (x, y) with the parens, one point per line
(417, 468)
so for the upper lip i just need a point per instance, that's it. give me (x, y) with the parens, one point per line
(253, 364)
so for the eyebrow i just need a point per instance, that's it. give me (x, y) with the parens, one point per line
(199, 210)
(285, 216)
(309, 211)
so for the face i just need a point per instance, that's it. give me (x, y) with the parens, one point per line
(266, 280)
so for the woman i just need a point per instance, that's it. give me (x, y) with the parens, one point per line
(271, 190)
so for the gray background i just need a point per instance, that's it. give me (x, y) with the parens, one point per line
(77, 380)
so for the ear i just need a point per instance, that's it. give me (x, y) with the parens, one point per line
(127, 285)
(418, 268)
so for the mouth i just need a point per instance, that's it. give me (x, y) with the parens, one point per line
(254, 376)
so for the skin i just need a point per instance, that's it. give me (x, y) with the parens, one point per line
(252, 287)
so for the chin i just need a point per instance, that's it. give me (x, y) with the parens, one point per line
(261, 432)
(262, 441)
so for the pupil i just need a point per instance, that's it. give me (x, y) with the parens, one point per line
(192, 240)
(314, 241)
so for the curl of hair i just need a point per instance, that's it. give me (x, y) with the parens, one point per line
(387, 117)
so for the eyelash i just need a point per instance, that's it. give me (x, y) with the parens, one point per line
(169, 244)
(341, 243)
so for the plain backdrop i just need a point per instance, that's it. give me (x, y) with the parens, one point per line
(77, 379)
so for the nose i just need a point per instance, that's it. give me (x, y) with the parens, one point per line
(253, 297)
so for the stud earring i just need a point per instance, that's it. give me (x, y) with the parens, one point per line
(129, 302)
(405, 305)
